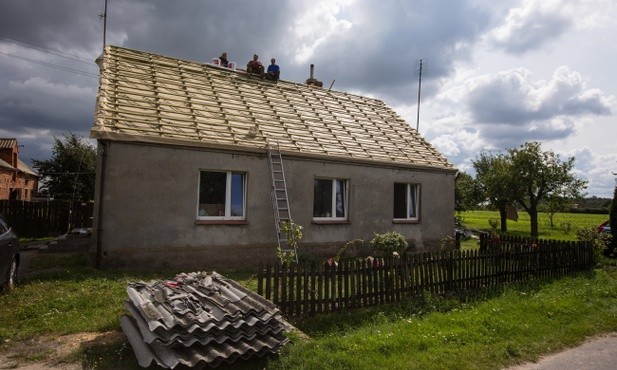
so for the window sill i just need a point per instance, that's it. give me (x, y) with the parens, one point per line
(331, 222)
(221, 222)
(405, 221)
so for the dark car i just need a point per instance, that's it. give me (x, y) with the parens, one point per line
(9, 255)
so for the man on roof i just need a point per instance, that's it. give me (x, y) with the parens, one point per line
(255, 67)
(224, 61)
(274, 71)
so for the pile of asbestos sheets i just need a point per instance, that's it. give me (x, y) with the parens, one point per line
(199, 319)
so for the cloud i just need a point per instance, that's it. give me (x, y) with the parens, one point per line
(537, 23)
(510, 106)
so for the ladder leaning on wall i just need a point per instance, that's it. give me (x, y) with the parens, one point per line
(280, 201)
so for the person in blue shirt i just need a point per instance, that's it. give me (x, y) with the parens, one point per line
(273, 71)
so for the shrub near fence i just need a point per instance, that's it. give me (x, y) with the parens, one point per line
(40, 219)
(305, 289)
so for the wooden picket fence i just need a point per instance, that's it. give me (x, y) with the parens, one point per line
(40, 219)
(310, 288)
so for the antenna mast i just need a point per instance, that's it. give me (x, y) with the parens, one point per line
(104, 16)
(419, 90)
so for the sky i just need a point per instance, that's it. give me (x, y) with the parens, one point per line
(495, 73)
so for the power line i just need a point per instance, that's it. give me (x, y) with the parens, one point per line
(47, 50)
(51, 65)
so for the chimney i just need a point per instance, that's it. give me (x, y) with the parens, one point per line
(312, 81)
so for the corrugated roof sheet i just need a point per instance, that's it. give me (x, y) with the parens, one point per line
(200, 318)
(152, 98)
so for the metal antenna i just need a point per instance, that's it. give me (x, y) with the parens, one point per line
(104, 17)
(419, 90)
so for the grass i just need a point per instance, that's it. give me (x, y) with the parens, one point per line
(63, 296)
(511, 326)
(564, 227)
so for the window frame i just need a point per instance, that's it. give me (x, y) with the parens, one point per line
(228, 196)
(409, 188)
(333, 190)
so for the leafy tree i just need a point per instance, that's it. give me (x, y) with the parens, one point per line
(537, 175)
(70, 173)
(468, 192)
(553, 204)
(493, 174)
(613, 222)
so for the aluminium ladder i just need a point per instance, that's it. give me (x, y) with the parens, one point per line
(280, 201)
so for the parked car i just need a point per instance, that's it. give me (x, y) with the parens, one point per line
(604, 227)
(9, 255)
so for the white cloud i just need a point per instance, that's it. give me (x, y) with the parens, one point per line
(537, 22)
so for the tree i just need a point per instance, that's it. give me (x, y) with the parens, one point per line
(493, 173)
(613, 222)
(468, 193)
(553, 204)
(537, 175)
(70, 173)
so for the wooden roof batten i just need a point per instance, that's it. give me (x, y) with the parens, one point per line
(144, 97)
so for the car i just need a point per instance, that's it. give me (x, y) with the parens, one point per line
(9, 255)
(604, 227)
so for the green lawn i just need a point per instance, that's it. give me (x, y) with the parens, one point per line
(564, 227)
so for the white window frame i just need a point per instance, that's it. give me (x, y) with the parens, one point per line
(345, 182)
(228, 184)
(410, 188)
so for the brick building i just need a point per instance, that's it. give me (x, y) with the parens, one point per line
(17, 180)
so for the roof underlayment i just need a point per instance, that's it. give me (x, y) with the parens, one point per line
(146, 97)
(200, 319)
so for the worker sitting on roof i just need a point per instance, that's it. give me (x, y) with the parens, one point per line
(224, 61)
(255, 66)
(274, 71)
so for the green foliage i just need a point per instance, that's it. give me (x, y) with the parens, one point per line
(357, 245)
(541, 175)
(494, 175)
(493, 223)
(468, 193)
(613, 222)
(293, 231)
(70, 173)
(387, 244)
(599, 240)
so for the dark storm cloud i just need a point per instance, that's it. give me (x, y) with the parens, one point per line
(381, 49)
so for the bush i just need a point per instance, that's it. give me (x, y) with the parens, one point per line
(387, 244)
(600, 241)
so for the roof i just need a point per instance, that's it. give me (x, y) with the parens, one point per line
(152, 98)
(25, 168)
(7, 143)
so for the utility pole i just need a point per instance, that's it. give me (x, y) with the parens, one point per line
(104, 17)
(419, 90)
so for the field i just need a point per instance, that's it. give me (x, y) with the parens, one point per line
(564, 227)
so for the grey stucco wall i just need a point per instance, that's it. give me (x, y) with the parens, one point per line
(150, 200)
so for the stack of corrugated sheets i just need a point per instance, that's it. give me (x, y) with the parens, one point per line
(200, 318)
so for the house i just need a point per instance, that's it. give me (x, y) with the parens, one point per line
(183, 178)
(17, 180)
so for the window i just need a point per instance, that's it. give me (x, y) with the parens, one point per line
(330, 199)
(221, 195)
(406, 198)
